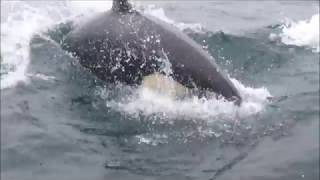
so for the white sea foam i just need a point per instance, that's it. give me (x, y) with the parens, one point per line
(152, 139)
(302, 33)
(149, 102)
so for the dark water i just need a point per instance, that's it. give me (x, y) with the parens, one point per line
(61, 128)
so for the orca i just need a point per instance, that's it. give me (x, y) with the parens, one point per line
(122, 45)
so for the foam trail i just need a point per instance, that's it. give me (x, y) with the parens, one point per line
(302, 33)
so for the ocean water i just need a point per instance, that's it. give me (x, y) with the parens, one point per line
(59, 122)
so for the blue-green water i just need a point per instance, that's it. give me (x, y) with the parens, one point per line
(59, 122)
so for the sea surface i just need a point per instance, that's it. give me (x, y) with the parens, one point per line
(59, 122)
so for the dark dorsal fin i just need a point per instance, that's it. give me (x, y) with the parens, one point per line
(121, 6)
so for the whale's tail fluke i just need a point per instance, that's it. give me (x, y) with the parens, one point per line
(121, 6)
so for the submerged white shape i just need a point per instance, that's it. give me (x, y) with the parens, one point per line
(163, 84)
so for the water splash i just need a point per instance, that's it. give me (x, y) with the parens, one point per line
(147, 102)
(301, 33)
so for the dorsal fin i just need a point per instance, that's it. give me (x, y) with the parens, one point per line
(121, 6)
